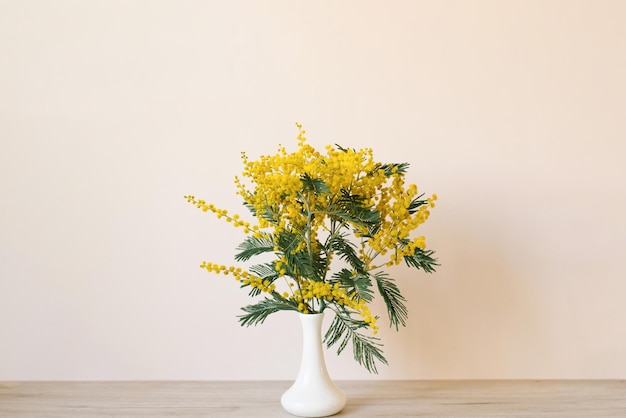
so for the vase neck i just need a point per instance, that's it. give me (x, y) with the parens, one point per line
(312, 350)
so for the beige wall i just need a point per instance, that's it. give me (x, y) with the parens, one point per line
(513, 112)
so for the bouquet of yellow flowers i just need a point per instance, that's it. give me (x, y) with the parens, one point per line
(313, 209)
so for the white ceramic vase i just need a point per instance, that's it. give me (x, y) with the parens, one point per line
(313, 394)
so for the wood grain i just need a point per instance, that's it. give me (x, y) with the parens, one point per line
(217, 399)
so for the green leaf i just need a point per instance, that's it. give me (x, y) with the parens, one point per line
(264, 271)
(287, 241)
(416, 203)
(316, 186)
(367, 350)
(271, 214)
(258, 312)
(355, 283)
(312, 266)
(251, 208)
(402, 168)
(340, 148)
(346, 250)
(252, 246)
(394, 300)
(354, 209)
(422, 259)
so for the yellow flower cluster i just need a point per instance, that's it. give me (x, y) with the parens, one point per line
(398, 222)
(311, 291)
(278, 185)
(318, 290)
(240, 275)
(222, 213)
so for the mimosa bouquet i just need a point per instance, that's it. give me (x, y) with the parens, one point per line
(313, 211)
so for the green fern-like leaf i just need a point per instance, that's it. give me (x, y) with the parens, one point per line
(287, 241)
(312, 265)
(388, 168)
(264, 271)
(367, 350)
(394, 300)
(340, 148)
(269, 213)
(357, 284)
(416, 203)
(252, 246)
(346, 250)
(251, 208)
(422, 259)
(258, 312)
(317, 186)
(354, 209)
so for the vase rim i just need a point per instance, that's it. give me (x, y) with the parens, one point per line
(311, 314)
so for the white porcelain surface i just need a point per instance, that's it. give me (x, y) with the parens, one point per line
(313, 394)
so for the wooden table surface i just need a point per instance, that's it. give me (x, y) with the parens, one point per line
(217, 399)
